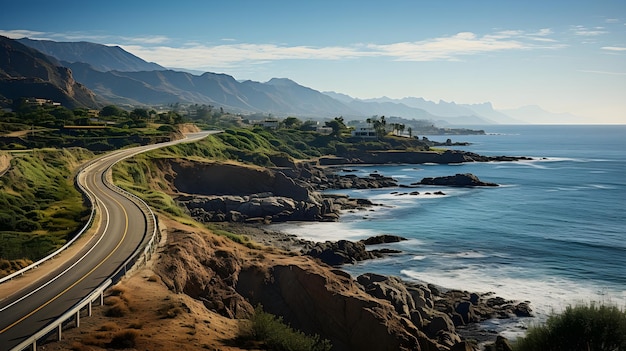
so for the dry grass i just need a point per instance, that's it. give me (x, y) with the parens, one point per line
(124, 339)
(136, 325)
(109, 326)
(171, 309)
(119, 302)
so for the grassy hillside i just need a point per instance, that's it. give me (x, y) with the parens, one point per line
(41, 209)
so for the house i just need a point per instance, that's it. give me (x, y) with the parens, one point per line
(364, 132)
(268, 123)
(42, 102)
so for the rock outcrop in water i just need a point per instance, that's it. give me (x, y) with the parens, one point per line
(415, 157)
(460, 180)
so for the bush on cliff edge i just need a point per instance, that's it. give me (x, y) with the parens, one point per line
(583, 327)
(276, 335)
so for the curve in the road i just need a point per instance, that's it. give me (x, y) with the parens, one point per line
(29, 310)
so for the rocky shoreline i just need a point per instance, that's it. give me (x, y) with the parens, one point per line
(448, 315)
(243, 200)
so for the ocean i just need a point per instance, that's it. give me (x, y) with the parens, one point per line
(553, 233)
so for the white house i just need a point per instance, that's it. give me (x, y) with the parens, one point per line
(364, 132)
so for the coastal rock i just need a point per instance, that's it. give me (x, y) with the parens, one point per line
(330, 305)
(462, 346)
(351, 181)
(382, 239)
(415, 157)
(390, 289)
(338, 253)
(460, 180)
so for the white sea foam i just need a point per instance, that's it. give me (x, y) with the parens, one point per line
(323, 231)
(546, 294)
(465, 254)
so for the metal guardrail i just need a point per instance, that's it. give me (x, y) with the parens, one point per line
(133, 262)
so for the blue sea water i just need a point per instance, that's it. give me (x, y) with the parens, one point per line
(553, 233)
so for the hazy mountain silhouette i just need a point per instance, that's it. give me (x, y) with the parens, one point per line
(120, 77)
(278, 96)
(418, 108)
(537, 115)
(100, 57)
(25, 72)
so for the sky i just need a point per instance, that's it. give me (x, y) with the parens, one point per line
(563, 55)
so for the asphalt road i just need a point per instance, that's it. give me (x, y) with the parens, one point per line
(123, 229)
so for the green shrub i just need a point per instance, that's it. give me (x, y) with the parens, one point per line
(583, 327)
(279, 336)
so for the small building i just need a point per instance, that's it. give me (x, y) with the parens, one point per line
(42, 102)
(324, 130)
(364, 132)
(268, 123)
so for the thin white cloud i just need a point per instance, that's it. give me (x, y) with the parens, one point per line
(21, 33)
(229, 53)
(588, 32)
(614, 48)
(146, 40)
(450, 48)
(201, 56)
(604, 72)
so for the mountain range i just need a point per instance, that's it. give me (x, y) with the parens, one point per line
(117, 76)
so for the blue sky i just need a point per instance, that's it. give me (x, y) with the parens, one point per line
(565, 56)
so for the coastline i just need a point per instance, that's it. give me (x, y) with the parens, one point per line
(484, 332)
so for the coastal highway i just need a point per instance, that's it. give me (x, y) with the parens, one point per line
(122, 228)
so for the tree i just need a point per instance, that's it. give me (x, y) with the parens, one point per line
(292, 122)
(337, 126)
(139, 114)
(112, 111)
(379, 125)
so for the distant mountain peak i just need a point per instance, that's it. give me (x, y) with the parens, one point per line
(281, 81)
(103, 58)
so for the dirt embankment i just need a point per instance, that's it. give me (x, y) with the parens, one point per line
(5, 162)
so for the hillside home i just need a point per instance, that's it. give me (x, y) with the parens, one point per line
(268, 123)
(364, 132)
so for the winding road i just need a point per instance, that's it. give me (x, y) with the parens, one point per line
(123, 228)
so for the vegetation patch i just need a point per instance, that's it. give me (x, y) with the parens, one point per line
(276, 335)
(124, 339)
(41, 208)
(583, 327)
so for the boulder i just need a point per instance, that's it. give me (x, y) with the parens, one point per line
(523, 309)
(460, 180)
(382, 239)
(502, 344)
(338, 253)
(462, 346)
(388, 288)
